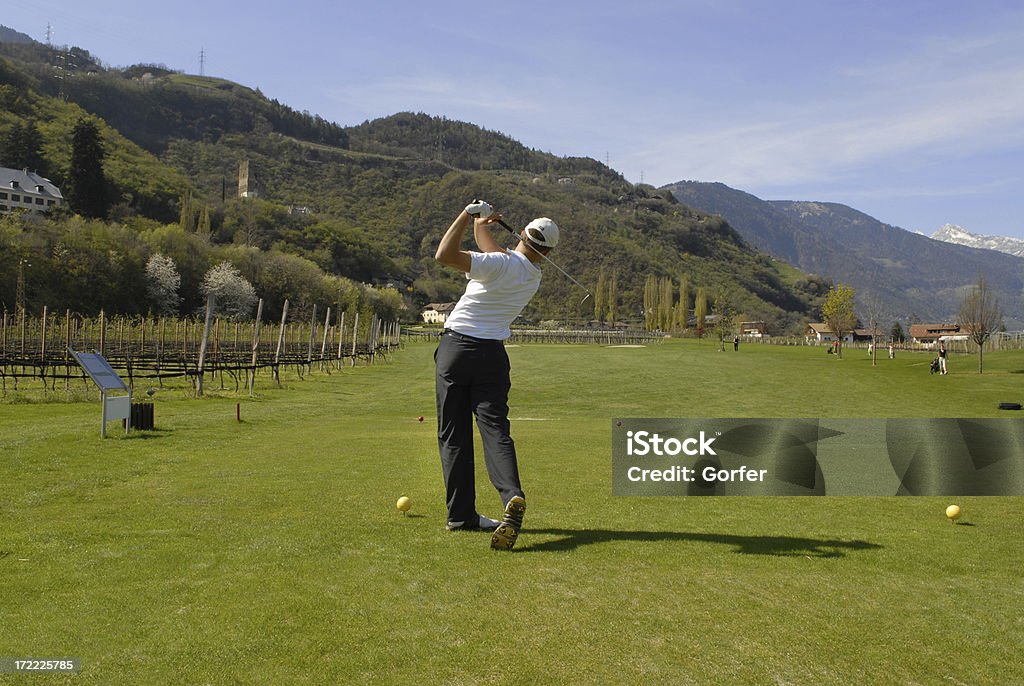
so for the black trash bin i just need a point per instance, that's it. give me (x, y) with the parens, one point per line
(142, 416)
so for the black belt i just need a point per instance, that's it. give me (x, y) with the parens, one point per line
(469, 339)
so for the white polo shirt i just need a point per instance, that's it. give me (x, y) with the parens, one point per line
(500, 286)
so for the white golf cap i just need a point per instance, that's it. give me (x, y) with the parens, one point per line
(542, 231)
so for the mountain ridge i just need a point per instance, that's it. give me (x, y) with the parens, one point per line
(910, 275)
(9, 35)
(952, 233)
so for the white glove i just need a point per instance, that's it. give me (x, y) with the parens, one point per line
(479, 208)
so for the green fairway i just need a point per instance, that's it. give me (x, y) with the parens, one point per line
(270, 551)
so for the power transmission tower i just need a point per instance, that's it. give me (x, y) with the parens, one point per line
(49, 35)
(202, 61)
(63, 72)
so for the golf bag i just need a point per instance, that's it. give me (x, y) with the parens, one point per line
(935, 365)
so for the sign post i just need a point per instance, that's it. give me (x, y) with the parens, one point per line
(104, 376)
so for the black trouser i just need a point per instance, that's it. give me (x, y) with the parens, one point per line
(473, 379)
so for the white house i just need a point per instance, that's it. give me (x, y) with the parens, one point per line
(819, 333)
(753, 329)
(21, 189)
(437, 313)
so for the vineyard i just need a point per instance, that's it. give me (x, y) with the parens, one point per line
(35, 350)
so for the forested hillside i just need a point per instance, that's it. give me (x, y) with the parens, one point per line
(365, 203)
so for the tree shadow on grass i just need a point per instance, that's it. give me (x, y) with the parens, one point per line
(779, 546)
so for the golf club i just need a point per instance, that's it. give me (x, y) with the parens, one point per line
(550, 261)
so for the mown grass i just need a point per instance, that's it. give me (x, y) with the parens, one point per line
(269, 551)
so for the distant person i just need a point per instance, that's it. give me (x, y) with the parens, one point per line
(736, 343)
(472, 367)
(892, 350)
(871, 349)
(942, 358)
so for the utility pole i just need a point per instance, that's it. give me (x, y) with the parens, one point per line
(202, 61)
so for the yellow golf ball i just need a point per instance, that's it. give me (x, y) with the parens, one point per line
(953, 512)
(403, 504)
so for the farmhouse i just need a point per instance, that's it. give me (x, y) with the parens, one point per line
(929, 334)
(21, 189)
(437, 313)
(819, 332)
(753, 329)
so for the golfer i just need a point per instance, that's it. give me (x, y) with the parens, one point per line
(472, 367)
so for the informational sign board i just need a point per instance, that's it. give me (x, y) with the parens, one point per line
(100, 371)
(104, 376)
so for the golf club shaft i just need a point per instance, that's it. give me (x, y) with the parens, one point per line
(549, 260)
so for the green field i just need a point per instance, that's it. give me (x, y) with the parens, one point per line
(270, 552)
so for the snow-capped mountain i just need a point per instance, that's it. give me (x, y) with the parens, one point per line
(951, 233)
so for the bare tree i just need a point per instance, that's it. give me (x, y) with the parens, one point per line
(725, 324)
(980, 316)
(872, 313)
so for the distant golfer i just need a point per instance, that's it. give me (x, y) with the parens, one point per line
(942, 358)
(472, 367)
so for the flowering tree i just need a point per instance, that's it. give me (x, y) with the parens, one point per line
(162, 284)
(235, 296)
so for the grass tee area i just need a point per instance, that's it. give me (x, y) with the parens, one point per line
(270, 551)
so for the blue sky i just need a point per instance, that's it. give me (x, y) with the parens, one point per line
(910, 111)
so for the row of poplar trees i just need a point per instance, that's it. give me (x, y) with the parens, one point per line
(663, 312)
